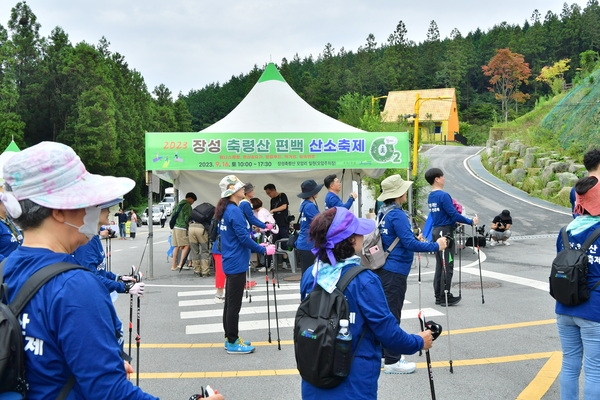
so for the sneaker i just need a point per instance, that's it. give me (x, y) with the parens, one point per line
(452, 300)
(238, 347)
(493, 243)
(264, 269)
(506, 243)
(246, 342)
(219, 299)
(437, 301)
(401, 367)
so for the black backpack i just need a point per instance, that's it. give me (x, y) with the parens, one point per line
(568, 276)
(12, 353)
(315, 329)
(203, 214)
(174, 216)
(213, 230)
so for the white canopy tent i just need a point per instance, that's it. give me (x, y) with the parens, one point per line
(271, 106)
(10, 150)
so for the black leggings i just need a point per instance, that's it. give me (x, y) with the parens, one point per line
(441, 281)
(234, 292)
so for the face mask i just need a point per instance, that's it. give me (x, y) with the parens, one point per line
(90, 222)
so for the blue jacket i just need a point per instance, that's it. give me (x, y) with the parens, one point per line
(91, 255)
(333, 200)
(396, 224)
(236, 243)
(246, 208)
(368, 309)
(8, 241)
(308, 210)
(70, 327)
(579, 229)
(442, 211)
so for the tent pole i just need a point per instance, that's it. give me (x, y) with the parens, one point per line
(359, 191)
(410, 198)
(150, 229)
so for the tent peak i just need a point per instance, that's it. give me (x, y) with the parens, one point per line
(271, 73)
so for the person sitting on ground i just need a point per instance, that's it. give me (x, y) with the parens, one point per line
(500, 229)
(338, 236)
(334, 187)
(591, 162)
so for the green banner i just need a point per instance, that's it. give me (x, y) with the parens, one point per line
(267, 150)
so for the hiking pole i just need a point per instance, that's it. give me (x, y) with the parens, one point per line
(460, 243)
(267, 281)
(138, 340)
(427, 357)
(446, 296)
(130, 322)
(276, 315)
(479, 261)
(248, 283)
(419, 262)
(473, 237)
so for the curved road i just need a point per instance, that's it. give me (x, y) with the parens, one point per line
(482, 193)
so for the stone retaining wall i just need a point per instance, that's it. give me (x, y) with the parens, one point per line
(545, 174)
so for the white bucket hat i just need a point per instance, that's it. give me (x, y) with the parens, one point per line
(52, 175)
(229, 185)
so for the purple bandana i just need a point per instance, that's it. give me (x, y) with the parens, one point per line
(344, 225)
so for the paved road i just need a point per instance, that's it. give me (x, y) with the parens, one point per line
(497, 348)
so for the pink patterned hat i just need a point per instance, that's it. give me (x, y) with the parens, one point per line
(52, 175)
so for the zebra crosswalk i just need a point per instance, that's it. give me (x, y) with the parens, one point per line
(202, 315)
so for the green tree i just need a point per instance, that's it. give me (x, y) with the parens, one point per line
(94, 129)
(11, 124)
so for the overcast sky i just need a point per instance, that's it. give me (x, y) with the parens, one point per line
(187, 44)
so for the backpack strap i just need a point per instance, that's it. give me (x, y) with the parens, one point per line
(590, 240)
(36, 281)
(31, 286)
(397, 239)
(348, 276)
(565, 238)
(342, 284)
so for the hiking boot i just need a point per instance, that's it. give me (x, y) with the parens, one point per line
(452, 300)
(238, 347)
(401, 367)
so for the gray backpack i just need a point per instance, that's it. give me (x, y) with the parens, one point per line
(373, 255)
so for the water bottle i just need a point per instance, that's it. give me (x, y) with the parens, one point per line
(343, 351)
